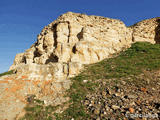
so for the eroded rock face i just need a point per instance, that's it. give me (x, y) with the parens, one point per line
(80, 39)
(76, 39)
(147, 30)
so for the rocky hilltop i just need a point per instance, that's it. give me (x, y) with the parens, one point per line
(60, 52)
(75, 39)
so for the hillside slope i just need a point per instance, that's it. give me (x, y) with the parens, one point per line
(120, 87)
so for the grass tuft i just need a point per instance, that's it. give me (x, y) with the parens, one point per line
(7, 73)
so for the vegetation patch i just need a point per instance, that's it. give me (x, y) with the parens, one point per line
(36, 110)
(6, 73)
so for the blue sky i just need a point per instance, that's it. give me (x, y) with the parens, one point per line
(22, 20)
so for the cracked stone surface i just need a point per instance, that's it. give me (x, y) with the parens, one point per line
(15, 90)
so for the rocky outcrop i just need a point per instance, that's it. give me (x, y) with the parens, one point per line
(73, 40)
(76, 39)
(80, 39)
(147, 30)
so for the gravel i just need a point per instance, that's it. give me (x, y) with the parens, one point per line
(125, 99)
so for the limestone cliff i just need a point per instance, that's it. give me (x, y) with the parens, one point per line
(147, 30)
(73, 40)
